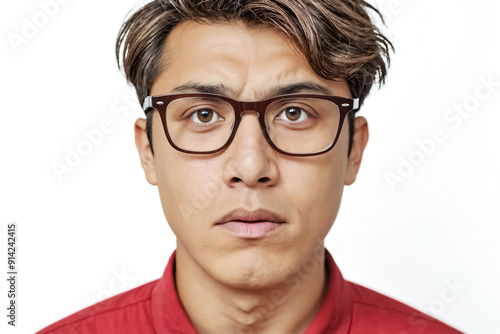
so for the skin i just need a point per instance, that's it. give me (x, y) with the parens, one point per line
(227, 284)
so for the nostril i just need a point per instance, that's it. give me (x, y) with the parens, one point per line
(264, 179)
(235, 179)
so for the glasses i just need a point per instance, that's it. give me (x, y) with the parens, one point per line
(294, 125)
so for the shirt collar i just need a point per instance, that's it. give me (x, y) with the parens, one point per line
(334, 315)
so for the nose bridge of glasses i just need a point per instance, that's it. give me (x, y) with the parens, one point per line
(248, 107)
(252, 107)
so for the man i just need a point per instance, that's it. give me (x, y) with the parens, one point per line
(250, 137)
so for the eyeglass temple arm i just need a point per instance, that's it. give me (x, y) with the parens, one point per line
(148, 103)
(355, 104)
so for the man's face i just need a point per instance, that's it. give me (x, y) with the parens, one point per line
(300, 196)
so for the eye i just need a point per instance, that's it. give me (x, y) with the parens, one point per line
(293, 114)
(205, 116)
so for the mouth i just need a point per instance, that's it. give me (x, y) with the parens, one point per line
(251, 224)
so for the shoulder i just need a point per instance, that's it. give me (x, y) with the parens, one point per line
(382, 314)
(118, 314)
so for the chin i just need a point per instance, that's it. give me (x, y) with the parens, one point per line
(251, 271)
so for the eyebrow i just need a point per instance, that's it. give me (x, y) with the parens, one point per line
(221, 89)
(300, 87)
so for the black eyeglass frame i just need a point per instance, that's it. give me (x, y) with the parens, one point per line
(161, 102)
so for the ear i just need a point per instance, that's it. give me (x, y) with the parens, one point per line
(144, 149)
(359, 142)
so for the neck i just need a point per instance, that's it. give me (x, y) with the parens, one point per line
(213, 307)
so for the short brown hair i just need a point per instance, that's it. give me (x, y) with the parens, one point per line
(337, 37)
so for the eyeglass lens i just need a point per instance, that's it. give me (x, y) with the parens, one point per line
(294, 125)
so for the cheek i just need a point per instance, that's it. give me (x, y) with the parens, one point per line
(185, 183)
(176, 180)
(187, 190)
(318, 186)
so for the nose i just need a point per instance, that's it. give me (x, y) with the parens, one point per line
(250, 161)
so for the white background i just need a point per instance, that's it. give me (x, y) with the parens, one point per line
(103, 220)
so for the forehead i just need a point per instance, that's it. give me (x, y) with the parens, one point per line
(249, 62)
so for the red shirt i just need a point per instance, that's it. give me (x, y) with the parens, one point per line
(156, 308)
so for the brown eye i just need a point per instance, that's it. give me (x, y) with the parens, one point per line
(293, 114)
(204, 116)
